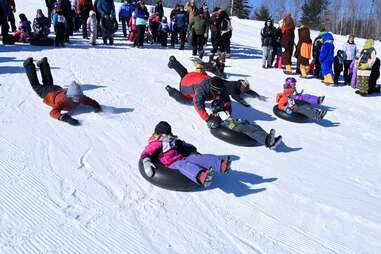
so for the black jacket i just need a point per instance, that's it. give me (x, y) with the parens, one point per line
(268, 36)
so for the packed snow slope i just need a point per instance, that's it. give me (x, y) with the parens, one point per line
(67, 189)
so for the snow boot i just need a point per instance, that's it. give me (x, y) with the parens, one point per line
(205, 177)
(225, 166)
(288, 69)
(321, 99)
(47, 78)
(270, 138)
(177, 66)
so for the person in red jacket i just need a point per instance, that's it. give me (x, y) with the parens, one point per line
(58, 98)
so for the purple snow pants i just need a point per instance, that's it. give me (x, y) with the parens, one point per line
(312, 99)
(194, 163)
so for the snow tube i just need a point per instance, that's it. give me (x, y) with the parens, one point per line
(168, 178)
(233, 137)
(294, 117)
(42, 42)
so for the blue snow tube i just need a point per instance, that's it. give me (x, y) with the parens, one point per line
(233, 137)
(294, 117)
(168, 178)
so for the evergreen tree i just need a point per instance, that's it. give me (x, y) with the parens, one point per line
(315, 13)
(262, 13)
(241, 9)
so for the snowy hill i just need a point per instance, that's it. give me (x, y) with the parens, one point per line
(67, 189)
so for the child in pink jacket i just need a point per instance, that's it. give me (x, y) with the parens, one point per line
(132, 27)
(197, 167)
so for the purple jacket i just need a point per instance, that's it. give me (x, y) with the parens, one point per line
(167, 155)
(353, 71)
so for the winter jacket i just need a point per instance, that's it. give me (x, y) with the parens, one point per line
(41, 26)
(66, 8)
(304, 45)
(106, 7)
(327, 54)
(142, 15)
(204, 93)
(226, 26)
(367, 59)
(92, 26)
(50, 3)
(108, 26)
(24, 31)
(316, 49)
(163, 28)
(215, 23)
(198, 25)
(85, 6)
(338, 63)
(268, 36)
(349, 50)
(60, 102)
(159, 9)
(164, 148)
(181, 20)
(353, 71)
(282, 98)
(126, 10)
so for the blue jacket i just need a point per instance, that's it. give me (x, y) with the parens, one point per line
(327, 51)
(106, 7)
(181, 19)
(141, 12)
(126, 10)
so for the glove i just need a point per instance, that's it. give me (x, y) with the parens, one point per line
(67, 118)
(288, 110)
(98, 109)
(206, 35)
(148, 166)
(178, 143)
(363, 66)
(213, 122)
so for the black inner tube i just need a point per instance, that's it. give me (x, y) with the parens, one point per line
(168, 178)
(233, 137)
(294, 117)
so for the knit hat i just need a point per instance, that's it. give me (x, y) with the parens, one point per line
(217, 84)
(74, 90)
(163, 128)
(369, 43)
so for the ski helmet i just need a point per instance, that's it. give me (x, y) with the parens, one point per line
(289, 83)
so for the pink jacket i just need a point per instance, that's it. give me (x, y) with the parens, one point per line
(155, 146)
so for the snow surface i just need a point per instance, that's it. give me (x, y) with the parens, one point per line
(67, 189)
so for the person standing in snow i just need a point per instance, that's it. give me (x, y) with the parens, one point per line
(338, 63)
(365, 63)
(316, 49)
(226, 34)
(326, 58)
(349, 54)
(159, 9)
(59, 24)
(163, 32)
(11, 16)
(92, 27)
(164, 146)
(199, 28)
(141, 18)
(85, 6)
(108, 25)
(268, 41)
(304, 48)
(287, 41)
(58, 98)
(125, 13)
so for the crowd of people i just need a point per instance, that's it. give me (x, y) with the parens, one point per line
(193, 25)
(360, 68)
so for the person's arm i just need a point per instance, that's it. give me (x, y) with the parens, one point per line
(151, 149)
(199, 103)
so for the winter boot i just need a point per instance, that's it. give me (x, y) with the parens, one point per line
(328, 80)
(321, 99)
(288, 70)
(201, 54)
(303, 71)
(270, 138)
(177, 66)
(277, 141)
(205, 177)
(47, 78)
(225, 166)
